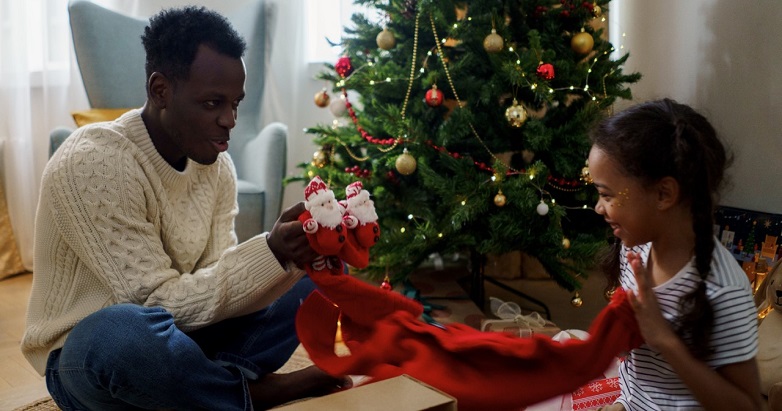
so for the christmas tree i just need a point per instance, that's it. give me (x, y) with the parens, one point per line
(468, 122)
(749, 245)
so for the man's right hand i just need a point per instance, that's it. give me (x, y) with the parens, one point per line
(288, 241)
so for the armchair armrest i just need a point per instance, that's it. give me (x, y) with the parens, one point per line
(263, 163)
(56, 137)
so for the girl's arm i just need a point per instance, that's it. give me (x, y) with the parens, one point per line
(732, 387)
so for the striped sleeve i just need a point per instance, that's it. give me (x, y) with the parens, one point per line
(735, 332)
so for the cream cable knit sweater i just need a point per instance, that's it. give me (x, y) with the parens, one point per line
(117, 224)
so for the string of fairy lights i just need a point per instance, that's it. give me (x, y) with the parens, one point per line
(559, 184)
(348, 73)
(538, 84)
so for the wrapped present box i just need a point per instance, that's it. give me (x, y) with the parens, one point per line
(597, 393)
(512, 321)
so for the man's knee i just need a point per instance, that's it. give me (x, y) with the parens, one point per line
(121, 328)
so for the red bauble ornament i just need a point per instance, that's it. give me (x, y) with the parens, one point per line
(343, 67)
(546, 71)
(386, 285)
(434, 97)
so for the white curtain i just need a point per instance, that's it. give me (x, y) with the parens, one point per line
(38, 89)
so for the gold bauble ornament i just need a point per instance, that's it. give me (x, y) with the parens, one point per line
(597, 11)
(385, 39)
(500, 200)
(582, 43)
(320, 159)
(516, 114)
(493, 43)
(576, 301)
(565, 243)
(405, 163)
(322, 98)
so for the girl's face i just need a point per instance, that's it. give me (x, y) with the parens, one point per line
(627, 206)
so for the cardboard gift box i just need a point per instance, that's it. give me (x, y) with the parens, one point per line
(513, 322)
(403, 393)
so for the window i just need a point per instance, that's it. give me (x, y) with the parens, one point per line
(326, 20)
(38, 31)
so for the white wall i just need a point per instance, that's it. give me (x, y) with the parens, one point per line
(722, 57)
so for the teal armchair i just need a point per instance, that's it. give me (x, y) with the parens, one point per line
(111, 61)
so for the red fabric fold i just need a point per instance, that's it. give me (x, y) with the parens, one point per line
(481, 370)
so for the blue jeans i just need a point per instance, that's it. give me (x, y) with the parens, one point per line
(130, 357)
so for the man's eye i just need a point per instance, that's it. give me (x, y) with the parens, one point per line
(211, 103)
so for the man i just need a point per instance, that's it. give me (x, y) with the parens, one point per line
(141, 297)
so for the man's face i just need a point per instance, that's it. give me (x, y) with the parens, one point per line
(201, 110)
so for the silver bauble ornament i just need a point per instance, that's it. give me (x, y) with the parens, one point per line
(338, 107)
(542, 208)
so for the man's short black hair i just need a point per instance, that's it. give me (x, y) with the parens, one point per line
(173, 36)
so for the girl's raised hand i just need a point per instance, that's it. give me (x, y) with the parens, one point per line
(654, 328)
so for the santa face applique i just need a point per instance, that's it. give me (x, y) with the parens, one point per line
(322, 219)
(339, 230)
(361, 221)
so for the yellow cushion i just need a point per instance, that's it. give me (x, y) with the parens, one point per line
(95, 115)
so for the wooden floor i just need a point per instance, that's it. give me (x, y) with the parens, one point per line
(19, 383)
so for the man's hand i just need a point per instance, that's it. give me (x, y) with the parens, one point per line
(288, 241)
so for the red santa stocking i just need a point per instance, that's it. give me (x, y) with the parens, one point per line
(483, 371)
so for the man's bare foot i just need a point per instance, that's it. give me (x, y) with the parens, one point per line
(275, 389)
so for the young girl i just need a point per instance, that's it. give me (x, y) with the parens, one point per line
(658, 168)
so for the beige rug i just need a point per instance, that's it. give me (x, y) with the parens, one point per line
(44, 404)
(300, 359)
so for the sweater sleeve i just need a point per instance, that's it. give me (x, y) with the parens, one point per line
(107, 210)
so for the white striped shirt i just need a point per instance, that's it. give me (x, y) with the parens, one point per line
(648, 382)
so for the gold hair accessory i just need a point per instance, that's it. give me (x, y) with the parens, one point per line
(624, 195)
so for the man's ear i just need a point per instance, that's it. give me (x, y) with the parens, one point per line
(159, 89)
(668, 193)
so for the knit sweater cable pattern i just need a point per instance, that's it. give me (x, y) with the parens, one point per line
(117, 224)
